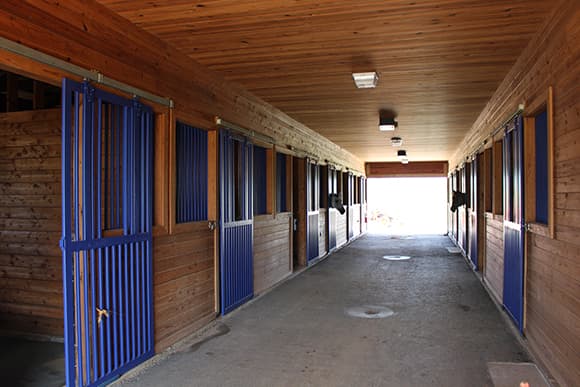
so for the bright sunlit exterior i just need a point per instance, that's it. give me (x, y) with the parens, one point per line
(406, 206)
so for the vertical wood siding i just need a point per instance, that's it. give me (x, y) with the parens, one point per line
(272, 260)
(30, 222)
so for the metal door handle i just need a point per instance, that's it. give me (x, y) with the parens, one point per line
(211, 225)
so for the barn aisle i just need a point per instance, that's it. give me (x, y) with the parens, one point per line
(356, 319)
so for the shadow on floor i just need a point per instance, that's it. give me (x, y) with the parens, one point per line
(31, 363)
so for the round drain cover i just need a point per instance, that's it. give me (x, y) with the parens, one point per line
(369, 311)
(396, 257)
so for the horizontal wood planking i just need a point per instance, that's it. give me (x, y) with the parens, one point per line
(272, 260)
(30, 223)
(341, 237)
(356, 219)
(553, 272)
(413, 169)
(183, 283)
(494, 257)
(92, 36)
(447, 53)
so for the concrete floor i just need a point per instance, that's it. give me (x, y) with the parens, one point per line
(31, 363)
(444, 330)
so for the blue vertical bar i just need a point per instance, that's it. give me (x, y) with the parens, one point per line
(67, 256)
(110, 321)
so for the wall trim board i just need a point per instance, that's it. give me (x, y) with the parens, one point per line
(413, 169)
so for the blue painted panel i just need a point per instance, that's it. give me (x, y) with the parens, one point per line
(473, 214)
(237, 271)
(191, 174)
(107, 174)
(312, 237)
(260, 181)
(541, 126)
(312, 205)
(514, 235)
(332, 220)
(236, 221)
(281, 183)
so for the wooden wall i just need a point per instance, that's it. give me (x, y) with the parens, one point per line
(90, 35)
(322, 229)
(30, 223)
(272, 255)
(341, 236)
(412, 169)
(494, 256)
(356, 219)
(183, 283)
(552, 313)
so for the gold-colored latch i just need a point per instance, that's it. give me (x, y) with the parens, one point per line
(100, 314)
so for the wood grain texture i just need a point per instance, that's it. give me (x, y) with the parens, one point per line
(30, 223)
(413, 169)
(272, 254)
(430, 55)
(183, 284)
(494, 257)
(92, 36)
(553, 264)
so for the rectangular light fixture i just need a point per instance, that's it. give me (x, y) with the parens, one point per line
(402, 155)
(366, 80)
(387, 124)
(396, 141)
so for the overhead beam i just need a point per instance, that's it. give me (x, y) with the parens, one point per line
(413, 169)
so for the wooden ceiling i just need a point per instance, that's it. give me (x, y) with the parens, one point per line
(439, 61)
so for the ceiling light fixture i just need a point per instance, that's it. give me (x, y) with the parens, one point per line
(387, 124)
(402, 155)
(366, 80)
(396, 141)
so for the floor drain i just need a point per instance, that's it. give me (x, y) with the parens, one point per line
(369, 311)
(396, 257)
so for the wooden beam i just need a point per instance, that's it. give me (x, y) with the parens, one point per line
(413, 169)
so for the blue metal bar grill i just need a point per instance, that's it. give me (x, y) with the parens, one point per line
(107, 169)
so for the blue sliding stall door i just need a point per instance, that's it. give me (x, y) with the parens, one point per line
(236, 221)
(514, 227)
(312, 208)
(473, 213)
(107, 174)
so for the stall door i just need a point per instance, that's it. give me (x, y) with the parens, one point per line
(472, 213)
(349, 200)
(312, 205)
(462, 212)
(455, 215)
(332, 212)
(514, 232)
(107, 173)
(236, 221)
